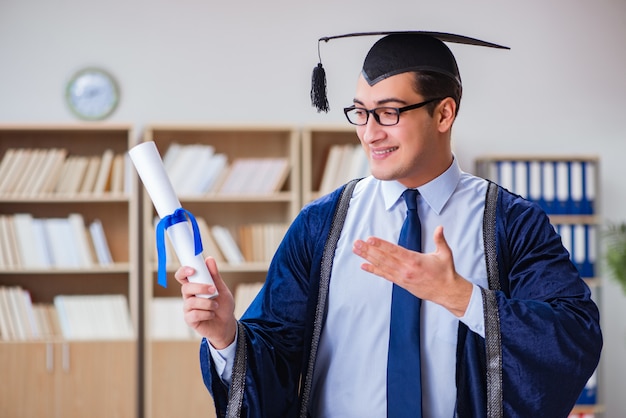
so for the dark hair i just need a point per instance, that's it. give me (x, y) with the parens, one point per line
(431, 84)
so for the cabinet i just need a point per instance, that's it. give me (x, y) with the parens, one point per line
(566, 187)
(317, 142)
(51, 376)
(171, 360)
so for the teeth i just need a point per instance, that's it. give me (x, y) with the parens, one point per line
(385, 151)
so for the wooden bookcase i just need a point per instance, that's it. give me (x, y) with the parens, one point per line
(567, 187)
(163, 397)
(52, 376)
(316, 144)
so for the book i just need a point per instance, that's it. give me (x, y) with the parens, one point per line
(27, 242)
(78, 314)
(227, 244)
(54, 173)
(98, 237)
(102, 179)
(255, 176)
(117, 174)
(89, 180)
(167, 321)
(81, 239)
(62, 243)
(244, 295)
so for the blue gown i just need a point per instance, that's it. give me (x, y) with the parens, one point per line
(542, 334)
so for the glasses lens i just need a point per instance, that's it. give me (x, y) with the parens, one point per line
(357, 115)
(387, 115)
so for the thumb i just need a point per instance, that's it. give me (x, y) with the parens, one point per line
(215, 274)
(441, 244)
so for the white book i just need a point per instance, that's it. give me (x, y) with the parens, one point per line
(195, 173)
(31, 173)
(521, 178)
(100, 243)
(117, 174)
(6, 164)
(104, 172)
(9, 242)
(32, 326)
(6, 322)
(42, 247)
(27, 242)
(63, 246)
(18, 313)
(79, 232)
(167, 321)
(212, 172)
(89, 180)
(13, 170)
(227, 244)
(505, 178)
(57, 167)
(534, 188)
(331, 169)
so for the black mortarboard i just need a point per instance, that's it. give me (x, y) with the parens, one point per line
(399, 52)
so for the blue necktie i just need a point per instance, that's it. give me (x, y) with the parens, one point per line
(404, 387)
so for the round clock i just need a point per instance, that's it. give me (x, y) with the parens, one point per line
(92, 94)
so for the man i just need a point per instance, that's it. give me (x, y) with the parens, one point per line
(505, 324)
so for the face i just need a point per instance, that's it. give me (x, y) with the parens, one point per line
(417, 149)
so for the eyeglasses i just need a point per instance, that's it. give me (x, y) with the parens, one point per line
(385, 116)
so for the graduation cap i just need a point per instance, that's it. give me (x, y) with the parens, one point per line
(398, 52)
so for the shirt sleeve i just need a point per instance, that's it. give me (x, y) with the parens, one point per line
(474, 317)
(223, 360)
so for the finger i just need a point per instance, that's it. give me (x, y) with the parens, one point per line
(379, 252)
(183, 273)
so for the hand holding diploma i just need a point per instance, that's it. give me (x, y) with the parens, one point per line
(185, 240)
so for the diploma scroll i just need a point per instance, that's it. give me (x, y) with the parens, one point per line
(149, 166)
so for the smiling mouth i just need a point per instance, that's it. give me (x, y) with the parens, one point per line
(386, 151)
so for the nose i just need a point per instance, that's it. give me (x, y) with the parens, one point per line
(372, 131)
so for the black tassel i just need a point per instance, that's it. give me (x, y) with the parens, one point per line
(318, 89)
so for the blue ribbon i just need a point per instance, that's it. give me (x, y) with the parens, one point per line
(179, 215)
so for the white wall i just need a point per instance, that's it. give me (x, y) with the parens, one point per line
(559, 89)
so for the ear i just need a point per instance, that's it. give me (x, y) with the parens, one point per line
(446, 113)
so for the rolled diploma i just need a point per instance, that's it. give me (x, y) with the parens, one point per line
(149, 166)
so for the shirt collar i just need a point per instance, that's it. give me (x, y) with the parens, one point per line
(435, 193)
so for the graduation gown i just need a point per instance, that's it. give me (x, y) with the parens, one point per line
(542, 335)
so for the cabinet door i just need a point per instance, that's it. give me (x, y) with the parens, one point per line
(98, 379)
(27, 380)
(177, 387)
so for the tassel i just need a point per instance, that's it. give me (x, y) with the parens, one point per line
(318, 89)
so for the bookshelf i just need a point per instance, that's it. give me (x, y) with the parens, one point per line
(80, 375)
(566, 187)
(317, 143)
(232, 211)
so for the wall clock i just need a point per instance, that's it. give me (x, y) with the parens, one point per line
(92, 94)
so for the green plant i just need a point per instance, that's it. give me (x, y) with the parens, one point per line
(615, 252)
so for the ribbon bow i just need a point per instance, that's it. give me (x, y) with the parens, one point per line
(179, 215)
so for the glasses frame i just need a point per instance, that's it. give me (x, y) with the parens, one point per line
(398, 111)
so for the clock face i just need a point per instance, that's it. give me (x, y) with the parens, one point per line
(92, 94)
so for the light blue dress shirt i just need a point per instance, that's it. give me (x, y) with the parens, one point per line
(351, 367)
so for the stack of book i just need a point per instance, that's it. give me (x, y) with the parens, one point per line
(257, 242)
(72, 317)
(197, 169)
(30, 172)
(42, 243)
(559, 187)
(344, 163)
(167, 322)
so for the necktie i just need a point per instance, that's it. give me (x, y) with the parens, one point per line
(404, 388)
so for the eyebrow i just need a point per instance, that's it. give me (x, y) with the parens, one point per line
(383, 102)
